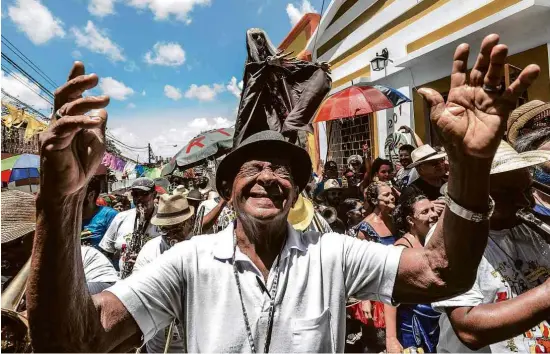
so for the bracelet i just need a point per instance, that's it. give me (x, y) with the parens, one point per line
(468, 214)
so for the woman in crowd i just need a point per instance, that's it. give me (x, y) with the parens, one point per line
(381, 170)
(377, 226)
(412, 326)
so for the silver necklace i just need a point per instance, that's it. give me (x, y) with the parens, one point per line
(272, 292)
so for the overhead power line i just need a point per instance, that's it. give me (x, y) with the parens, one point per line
(28, 61)
(110, 136)
(8, 71)
(27, 75)
(25, 106)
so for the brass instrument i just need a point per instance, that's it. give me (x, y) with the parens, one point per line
(15, 327)
(329, 213)
(136, 242)
(531, 220)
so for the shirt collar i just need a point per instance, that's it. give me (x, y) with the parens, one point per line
(223, 249)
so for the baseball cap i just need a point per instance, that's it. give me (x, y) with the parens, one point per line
(144, 184)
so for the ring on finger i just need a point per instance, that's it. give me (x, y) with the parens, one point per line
(58, 114)
(492, 89)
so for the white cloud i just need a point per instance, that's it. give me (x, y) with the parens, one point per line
(204, 92)
(167, 54)
(101, 8)
(172, 92)
(36, 21)
(143, 93)
(235, 88)
(163, 9)
(296, 13)
(20, 87)
(115, 89)
(128, 137)
(76, 54)
(131, 106)
(96, 40)
(131, 66)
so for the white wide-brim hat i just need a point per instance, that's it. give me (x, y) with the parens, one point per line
(425, 153)
(507, 159)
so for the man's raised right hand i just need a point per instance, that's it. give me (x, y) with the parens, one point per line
(73, 145)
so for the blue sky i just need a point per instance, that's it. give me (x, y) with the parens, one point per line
(167, 64)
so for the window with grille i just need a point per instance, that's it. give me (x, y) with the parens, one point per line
(347, 137)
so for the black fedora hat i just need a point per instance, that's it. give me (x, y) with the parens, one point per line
(267, 141)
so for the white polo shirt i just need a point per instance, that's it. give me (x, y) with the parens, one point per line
(120, 233)
(195, 283)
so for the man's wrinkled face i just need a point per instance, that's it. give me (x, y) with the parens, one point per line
(333, 197)
(511, 192)
(264, 189)
(405, 158)
(173, 234)
(145, 198)
(432, 169)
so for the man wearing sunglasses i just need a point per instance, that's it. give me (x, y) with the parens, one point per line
(430, 165)
(121, 229)
(174, 219)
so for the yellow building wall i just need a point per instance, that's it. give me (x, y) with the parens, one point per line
(539, 90)
(298, 44)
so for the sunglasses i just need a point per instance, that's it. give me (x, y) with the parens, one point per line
(434, 163)
(172, 228)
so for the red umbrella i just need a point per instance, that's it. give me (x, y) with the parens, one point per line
(358, 100)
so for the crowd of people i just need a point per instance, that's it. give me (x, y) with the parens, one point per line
(425, 255)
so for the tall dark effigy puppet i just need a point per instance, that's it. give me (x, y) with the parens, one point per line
(279, 93)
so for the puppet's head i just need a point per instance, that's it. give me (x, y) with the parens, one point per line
(258, 45)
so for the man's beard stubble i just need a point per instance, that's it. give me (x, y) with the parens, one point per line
(259, 231)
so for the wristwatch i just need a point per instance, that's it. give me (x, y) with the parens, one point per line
(468, 214)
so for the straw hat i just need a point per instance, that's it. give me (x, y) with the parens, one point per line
(172, 210)
(301, 214)
(181, 190)
(507, 159)
(425, 153)
(18, 214)
(523, 114)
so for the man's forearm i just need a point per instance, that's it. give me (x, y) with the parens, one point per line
(457, 244)
(491, 323)
(61, 311)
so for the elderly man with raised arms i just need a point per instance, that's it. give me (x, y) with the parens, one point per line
(259, 284)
